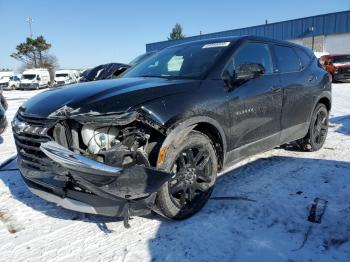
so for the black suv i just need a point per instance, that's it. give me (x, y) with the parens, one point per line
(155, 138)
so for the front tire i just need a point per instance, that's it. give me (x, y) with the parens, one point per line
(194, 164)
(318, 130)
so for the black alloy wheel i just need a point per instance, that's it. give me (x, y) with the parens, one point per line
(194, 165)
(194, 177)
(318, 130)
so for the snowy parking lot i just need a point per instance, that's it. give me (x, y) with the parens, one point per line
(259, 211)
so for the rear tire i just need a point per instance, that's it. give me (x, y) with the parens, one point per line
(317, 134)
(194, 164)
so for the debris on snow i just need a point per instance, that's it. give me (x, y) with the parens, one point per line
(317, 209)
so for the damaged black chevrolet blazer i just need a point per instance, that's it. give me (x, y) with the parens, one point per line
(155, 138)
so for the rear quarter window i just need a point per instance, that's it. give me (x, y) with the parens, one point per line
(287, 59)
(304, 58)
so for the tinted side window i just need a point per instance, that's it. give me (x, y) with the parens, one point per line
(287, 59)
(254, 53)
(304, 58)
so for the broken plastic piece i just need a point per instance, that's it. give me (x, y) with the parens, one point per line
(317, 210)
(126, 215)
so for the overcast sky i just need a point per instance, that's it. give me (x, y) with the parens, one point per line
(87, 33)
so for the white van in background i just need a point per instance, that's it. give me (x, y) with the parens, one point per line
(9, 81)
(6, 73)
(66, 77)
(35, 78)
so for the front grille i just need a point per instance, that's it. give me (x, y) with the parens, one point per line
(4, 85)
(28, 144)
(26, 85)
(345, 70)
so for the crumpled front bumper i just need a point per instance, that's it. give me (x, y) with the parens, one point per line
(107, 190)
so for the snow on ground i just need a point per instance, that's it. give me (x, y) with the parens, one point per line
(272, 227)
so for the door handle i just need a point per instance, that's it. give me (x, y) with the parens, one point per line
(275, 89)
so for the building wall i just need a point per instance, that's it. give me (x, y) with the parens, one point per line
(339, 43)
(307, 41)
(332, 44)
(303, 28)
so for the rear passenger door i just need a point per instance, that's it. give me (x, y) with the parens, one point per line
(296, 83)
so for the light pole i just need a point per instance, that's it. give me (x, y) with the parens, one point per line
(30, 21)
(312, 30)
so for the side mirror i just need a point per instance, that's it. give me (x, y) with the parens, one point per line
(38, 78)
(247, 72)
(228, 78)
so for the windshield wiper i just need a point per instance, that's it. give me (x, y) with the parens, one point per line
(168, 77)
(150, 76)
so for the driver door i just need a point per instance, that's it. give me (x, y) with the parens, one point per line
(255, 104)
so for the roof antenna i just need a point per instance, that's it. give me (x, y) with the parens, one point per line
(266, 22)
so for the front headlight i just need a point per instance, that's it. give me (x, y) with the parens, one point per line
(103, 119)
(97, 138)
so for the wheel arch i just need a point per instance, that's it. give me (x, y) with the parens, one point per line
(325, 98)
(326, 101)
(206, 125)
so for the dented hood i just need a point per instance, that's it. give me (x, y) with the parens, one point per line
(106, 96)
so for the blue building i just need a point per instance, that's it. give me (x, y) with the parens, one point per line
(328, 33)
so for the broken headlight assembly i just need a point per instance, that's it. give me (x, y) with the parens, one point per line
(116, 146)
(114, 139)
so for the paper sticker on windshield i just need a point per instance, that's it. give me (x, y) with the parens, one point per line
(221, 44)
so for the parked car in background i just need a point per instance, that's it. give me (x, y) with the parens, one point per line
(10, 82)
(35, 79)
(83, 74)
(6, 73)
(106, 71)
(155, 138)
(111, 70)
(338, 66)
(65, 77)
(3, 108)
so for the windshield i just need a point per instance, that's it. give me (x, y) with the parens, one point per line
(341, 59)
(29, 77)
(61, 75)
(189, 61)
(140, 58)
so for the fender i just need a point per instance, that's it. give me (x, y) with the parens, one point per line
(178, 132)
(326, 94)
